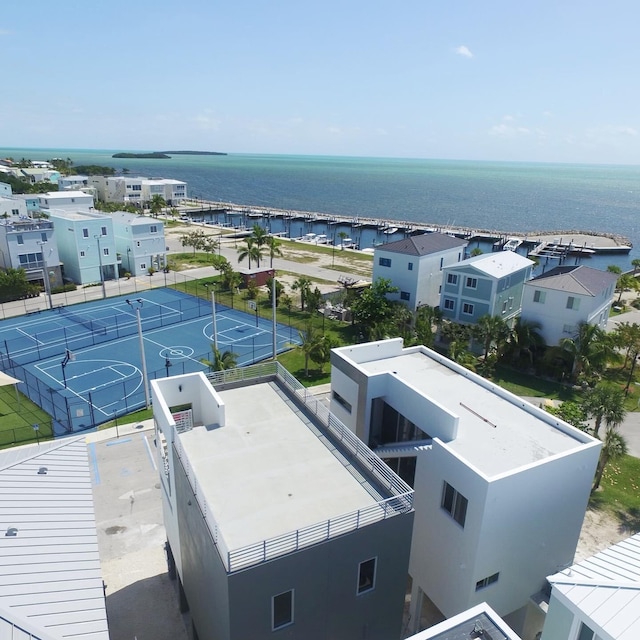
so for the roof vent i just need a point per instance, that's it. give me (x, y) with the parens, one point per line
(42, 471)
(12, 532)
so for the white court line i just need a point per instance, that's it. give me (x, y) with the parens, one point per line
(26, 335)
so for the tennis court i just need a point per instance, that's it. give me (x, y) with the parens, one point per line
(83, 364)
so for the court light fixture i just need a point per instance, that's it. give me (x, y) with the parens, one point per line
(137, 305)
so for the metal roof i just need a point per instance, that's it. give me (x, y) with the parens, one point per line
(606, 589)
(423, 244)
(575, 279)
(497, 264)
(50, 577)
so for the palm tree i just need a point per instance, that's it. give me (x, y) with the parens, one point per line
(310, 342)
(221, 361)
(489, 330)
(625, 282)
(591, 349)
(614, 447)
(250, 250)
(525, 339)
(303, 285)
(427, 322)
(605, 402)
(157, 204)
(274, 249)
(627, 337)
(635, 263)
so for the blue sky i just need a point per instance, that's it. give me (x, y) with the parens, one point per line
(549, 80)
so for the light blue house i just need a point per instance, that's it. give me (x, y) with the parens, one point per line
(140, 241)
(86, 244)
(486, 284)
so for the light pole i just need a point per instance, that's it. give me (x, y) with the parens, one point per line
(137, 305)
(47, 282)
(104, 293)
(68, 356)
(213, 314)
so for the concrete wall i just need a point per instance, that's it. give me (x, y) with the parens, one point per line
(559, 621)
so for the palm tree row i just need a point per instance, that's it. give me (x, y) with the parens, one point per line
(257, 244)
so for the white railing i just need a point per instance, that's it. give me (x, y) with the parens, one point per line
(400, 501)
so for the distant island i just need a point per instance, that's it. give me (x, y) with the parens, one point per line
(162, 155)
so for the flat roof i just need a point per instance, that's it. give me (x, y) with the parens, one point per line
(496, 435)
(267, 472)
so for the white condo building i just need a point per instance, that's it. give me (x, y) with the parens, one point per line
(138, 190)
(501, 486)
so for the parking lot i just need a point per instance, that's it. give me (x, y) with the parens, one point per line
(142, 602)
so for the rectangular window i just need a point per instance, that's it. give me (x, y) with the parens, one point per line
(410, 266)
(153, 228)
(82, 254)
(342, 402)
(539, 296)
(467, 309)
(15, 212)
(104, 231)
(105, 251)
(367, 576)
(405, 295)
(143, 265)
(282, 610)
(586, 633)
(454, 503)
(504, 306)
(43, 237)
(471, 283)
(485, 582)
(20, 239)
(452, 278)
(569, 328)
(573, 303)
(384, 262)
(441, 263)
(449, 304)
(85, 233)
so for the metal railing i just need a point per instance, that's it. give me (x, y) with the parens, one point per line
(400, 501)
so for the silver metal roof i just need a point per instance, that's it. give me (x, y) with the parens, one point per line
(50, 577)
(606, 589)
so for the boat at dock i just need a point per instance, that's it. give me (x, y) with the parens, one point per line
(512, 244)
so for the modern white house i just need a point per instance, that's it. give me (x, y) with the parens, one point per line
(75, 200)
(140, 242)
(278, 519)
(72, 183)
(415, 266)
(478, 623)
(598, 598)
(501, 486)
(86, 245)
(51, 584)
(566, 296)
(138, 190)
(490, 283)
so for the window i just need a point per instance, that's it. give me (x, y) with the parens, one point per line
(485, 582)
(454, 503)
(452, 278)
(410, 266)
(342, 402)
(153, 228)
(282, 610)
(568, 328)
(15, 212)
(31, 260)
(467, 309)
(20, 239)
(105, 251)
(103, 230)
(471, 283)
(405, 295)
(85, 233)
(539, 296)
(82, 254)
(143, 265)
(449, 304)
(367, 576)
(384, 262)
(504, 306)
(573, 303)
(43, 237)
(586, 633)
(441, 263)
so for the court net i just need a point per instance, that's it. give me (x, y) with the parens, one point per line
(93, 325)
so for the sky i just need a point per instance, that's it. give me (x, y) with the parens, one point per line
(547, 81)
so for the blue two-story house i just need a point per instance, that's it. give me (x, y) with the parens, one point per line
(486, 284)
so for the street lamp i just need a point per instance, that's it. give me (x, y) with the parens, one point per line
(137, 305)
(68, 357)
(47, 282)
(213, 314)
(104, 293)
(167, 364)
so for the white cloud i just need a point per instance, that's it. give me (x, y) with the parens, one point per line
(506, 130)
(464, 51)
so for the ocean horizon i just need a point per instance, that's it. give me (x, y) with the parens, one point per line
(510, 197)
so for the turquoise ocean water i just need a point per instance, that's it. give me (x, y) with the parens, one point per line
(517, 197)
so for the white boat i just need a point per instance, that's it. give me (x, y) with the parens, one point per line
(512, 244)
(308, 237)
(321, 239)
(347, 243)
(389, 230)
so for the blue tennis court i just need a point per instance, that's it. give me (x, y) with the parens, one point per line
(83, 364)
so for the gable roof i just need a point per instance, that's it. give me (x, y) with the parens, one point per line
(575, 279)
(50, 576)
(424, 244)
(497, 264)
(606, 589)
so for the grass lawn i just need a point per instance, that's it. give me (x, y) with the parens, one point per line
(17, 417)
(619, 491)
(523, 384)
